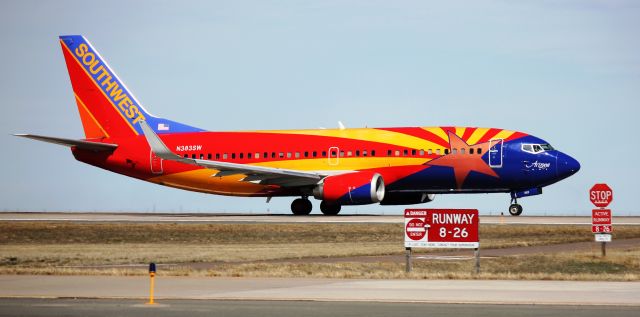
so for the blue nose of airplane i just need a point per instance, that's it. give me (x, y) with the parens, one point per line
(566, 165)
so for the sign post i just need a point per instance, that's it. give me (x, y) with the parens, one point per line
(601, 196)
(441, 228)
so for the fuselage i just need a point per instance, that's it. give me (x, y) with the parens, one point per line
(409, 159)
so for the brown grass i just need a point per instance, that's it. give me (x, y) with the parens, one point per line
(63, 248)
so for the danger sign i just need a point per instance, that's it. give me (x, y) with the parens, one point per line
(441, 228)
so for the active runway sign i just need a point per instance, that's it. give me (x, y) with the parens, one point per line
(441, 228)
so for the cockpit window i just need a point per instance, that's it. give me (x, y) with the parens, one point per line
(547, 147)
(536, 148)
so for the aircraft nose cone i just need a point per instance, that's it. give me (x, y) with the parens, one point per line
(567, 165)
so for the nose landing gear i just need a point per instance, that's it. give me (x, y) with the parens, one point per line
(515, 209)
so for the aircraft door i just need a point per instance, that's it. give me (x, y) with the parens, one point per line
(156, 163)
(495, 153)
(334, 155)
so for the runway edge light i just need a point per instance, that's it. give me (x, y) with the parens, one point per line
(152, 275)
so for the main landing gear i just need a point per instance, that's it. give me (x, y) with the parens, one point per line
(301, 206)
(515, 209)
(330, 208)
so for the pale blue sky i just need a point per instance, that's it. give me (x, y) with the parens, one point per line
(565, 71)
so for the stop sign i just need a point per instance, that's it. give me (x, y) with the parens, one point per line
(601, 195)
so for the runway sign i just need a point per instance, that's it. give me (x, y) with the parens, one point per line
(441, 228)
(601, 221)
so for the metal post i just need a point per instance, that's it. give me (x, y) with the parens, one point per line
(409, 265)
(476, 253)
(604, 249)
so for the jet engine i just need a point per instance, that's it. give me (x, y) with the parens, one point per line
(358, 188)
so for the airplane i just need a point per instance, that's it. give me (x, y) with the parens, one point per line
(339, 167)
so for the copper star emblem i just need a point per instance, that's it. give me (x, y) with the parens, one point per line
(463, 164)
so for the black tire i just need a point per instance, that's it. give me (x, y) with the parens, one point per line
(515, 210)
(301, 207)
(330, 208)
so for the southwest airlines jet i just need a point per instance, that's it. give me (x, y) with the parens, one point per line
(340, 167)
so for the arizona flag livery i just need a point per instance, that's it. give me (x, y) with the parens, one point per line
(389, 166)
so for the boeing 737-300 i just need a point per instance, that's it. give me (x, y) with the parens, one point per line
(339, 167)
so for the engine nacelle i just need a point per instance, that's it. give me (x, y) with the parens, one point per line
(358, 188)
(407, 198)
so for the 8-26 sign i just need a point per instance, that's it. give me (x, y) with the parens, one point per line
(441, 228)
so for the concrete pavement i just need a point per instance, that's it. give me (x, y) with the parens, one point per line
(421, 291)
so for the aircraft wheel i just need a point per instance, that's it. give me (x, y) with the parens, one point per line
(301, 206)
(330, 208)
(515, 210)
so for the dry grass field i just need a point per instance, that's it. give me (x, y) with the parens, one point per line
(241, 250)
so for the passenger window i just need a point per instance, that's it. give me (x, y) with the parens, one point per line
(454, 151)
(241, 155)
(273, 154)
(324, 153)
(201, 156)
(471, 151)
(306, 153)
(461, 151)
(446, 151)
(225, 156)
(248, 155)
(315, 154)
(217, 156)
(208, 156)
(186, 156)
(349, 153)
(364, 153)
(265, 154)
(413, 152)
(438, 151)
(357, 152)
(334, 153)
(430, 152)
(281, 155)
(421, 152)
(397, 153)
(193, 156)
(373, 152)
(479, 151)
(288, 154)
(257, 155)
(405, 152)
(388, 152)
(233, 156)
(297, 154)
(341, 153)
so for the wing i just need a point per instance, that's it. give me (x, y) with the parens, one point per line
(81, 144)
(257, 174)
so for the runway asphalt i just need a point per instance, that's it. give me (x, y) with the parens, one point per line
(267, 218)
(111, 307)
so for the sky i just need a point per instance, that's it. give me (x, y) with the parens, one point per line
(565, 71)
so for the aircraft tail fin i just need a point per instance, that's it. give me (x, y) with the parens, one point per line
(107, 107)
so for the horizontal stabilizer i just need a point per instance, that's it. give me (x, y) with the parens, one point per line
(81, 144)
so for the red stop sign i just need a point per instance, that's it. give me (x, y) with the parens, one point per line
(601, 195)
